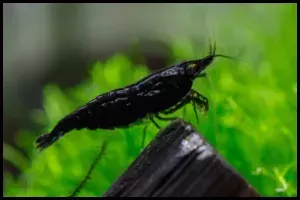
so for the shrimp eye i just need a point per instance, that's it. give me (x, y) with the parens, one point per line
(191, 68)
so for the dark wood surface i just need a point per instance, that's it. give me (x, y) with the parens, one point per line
(180, 163)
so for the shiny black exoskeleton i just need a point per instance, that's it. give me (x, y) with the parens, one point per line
(162, 92)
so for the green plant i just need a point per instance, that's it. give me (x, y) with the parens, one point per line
(251, 121)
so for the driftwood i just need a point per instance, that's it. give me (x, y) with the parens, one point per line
(180, 163)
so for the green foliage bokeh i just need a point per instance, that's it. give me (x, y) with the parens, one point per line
(251, 121)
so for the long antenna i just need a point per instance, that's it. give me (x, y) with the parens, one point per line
(224, 56)
(213, 48)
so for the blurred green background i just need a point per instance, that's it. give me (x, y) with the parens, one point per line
(251, 121)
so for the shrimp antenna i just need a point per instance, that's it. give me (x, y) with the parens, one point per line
(224, 56)
(213, 48)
